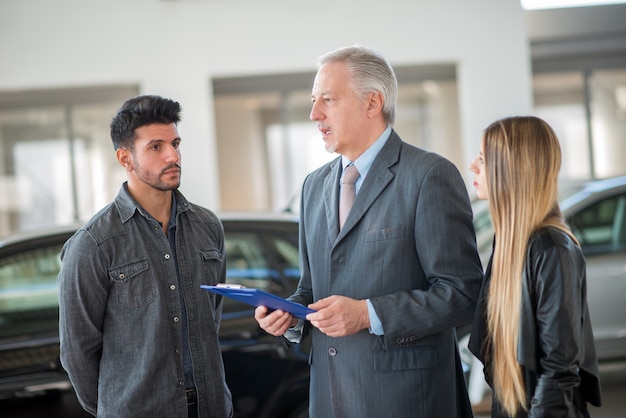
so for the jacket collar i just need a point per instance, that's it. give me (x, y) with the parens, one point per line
(127, 206)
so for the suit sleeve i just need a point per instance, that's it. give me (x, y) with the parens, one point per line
(304, 292)
(445, 246)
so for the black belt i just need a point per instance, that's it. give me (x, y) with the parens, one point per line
(192, 396)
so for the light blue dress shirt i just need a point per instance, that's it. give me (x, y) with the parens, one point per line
(364, 162)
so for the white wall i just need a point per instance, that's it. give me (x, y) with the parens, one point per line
(174, 48)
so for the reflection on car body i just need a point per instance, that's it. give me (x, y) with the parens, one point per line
(266, 379)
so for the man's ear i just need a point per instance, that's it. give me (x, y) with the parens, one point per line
(375, 104)
(123, 157)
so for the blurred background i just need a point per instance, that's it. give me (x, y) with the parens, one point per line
(243, 70)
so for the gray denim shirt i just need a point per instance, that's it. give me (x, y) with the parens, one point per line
(120, 312)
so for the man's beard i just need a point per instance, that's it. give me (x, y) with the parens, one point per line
(164, 187)
(157, 183)
(331, 147)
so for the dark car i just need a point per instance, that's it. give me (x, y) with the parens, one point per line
(266, 378)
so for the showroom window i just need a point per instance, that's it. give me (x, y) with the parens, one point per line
(57, 165)
(269, 116)
(587, 109)
(56, 155)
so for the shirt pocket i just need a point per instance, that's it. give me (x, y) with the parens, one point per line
(133, 284)
(212, 260)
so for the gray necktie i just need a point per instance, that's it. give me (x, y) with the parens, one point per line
(348, 192)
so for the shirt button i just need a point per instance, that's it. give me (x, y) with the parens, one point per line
(176, 319)
(172, 287)
(332, 351)
(181, 383)
(167, 256)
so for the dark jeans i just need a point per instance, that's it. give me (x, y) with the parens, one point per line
(192, 402)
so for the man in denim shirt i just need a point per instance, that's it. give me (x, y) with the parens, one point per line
(139, 338)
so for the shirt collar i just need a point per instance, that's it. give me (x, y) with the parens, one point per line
(364, 162)
(127, 206)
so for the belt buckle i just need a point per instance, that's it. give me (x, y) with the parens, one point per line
(192, 396)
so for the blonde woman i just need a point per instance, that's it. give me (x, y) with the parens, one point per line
(532, 329)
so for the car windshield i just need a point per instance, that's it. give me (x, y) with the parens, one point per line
(28, 291)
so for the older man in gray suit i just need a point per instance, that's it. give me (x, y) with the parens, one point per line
(391, 284)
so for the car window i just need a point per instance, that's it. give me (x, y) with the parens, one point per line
(248, 262)
(601, 227)
(288, 257)
(28, 291)
(261, 260)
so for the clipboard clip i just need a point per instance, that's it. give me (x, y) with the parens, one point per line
(230, 286)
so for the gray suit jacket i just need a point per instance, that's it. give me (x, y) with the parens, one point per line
(409, 246)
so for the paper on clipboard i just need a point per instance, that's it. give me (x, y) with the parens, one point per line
(258, 297)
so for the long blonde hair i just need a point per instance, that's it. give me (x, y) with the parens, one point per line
(522, 161)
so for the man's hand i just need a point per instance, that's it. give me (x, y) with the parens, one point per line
(275, 323)
(338, 316)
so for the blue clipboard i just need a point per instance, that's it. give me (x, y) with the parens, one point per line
(258, 297)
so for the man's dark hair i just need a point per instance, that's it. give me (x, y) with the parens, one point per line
(141, 111)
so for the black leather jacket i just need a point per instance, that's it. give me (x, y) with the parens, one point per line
(556, 346)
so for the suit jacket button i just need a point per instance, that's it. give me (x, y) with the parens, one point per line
(332, 351)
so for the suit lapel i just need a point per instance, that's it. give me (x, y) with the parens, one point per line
(377, 179)
(331, 198)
